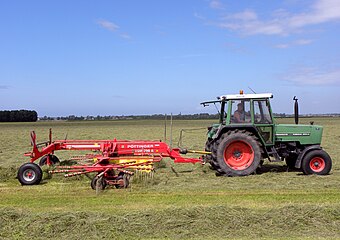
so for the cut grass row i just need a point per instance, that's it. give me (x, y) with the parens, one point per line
(195, 205)
(204, 222)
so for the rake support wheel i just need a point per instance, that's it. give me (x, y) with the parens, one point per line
(125, 178)
(238, 153)
(53, 159)
(98, 183)
(29, 174)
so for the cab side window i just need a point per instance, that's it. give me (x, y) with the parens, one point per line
(262, 112)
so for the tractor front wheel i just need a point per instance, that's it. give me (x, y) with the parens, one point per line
(238, 153)
(316, 162)
(29, 174)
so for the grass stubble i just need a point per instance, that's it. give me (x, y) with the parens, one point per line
(194, 204)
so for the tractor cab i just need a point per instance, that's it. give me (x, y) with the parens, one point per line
(246, 111)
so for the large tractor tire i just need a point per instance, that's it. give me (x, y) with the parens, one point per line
(209, 147)
(317, 162)
(29, 174)
(238, 153)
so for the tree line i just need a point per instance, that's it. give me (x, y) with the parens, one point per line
(163, 116)
(18, 116)
(130, 117)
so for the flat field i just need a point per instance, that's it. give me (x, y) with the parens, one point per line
(192, 204)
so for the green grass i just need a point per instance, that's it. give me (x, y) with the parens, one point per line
(193, 205)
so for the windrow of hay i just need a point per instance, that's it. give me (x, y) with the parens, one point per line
(8, 173)
(194, 222)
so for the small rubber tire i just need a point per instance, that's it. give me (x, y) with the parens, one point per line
(238, 153)
(125, 179)
(53, 158)
(102, 186)
(29, 174)
(316, 162)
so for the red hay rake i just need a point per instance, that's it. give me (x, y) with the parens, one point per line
(114, 161)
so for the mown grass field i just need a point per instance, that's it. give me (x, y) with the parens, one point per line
(195, 204)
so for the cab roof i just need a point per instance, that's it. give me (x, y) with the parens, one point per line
(239, 96)
(247, 96)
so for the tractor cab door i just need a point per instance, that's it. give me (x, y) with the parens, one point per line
(240, 112)
(263, 120)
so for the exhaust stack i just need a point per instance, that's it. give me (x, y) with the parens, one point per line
(296, 110)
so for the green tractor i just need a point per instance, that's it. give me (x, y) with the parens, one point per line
(247, 133)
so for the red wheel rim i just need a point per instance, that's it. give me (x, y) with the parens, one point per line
(317, 164)
(238, 155)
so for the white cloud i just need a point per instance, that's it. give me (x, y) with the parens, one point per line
(281, 22)
(246, 15)
(216, 4)
(199, 16)
(112, 27)
(313, 76)
(184, 56)
(125, 35)
(282, 45)
(236, 47)
(299, 42)
(108, 25)
(303, 42)
(322, 11)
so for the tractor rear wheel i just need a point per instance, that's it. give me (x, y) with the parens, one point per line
(316, 162)
(209, 147)
(53, 159)
(238, 153)
(29, 174)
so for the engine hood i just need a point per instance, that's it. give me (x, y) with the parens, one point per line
(305, 134)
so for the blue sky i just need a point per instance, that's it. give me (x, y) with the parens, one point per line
(149, 56)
